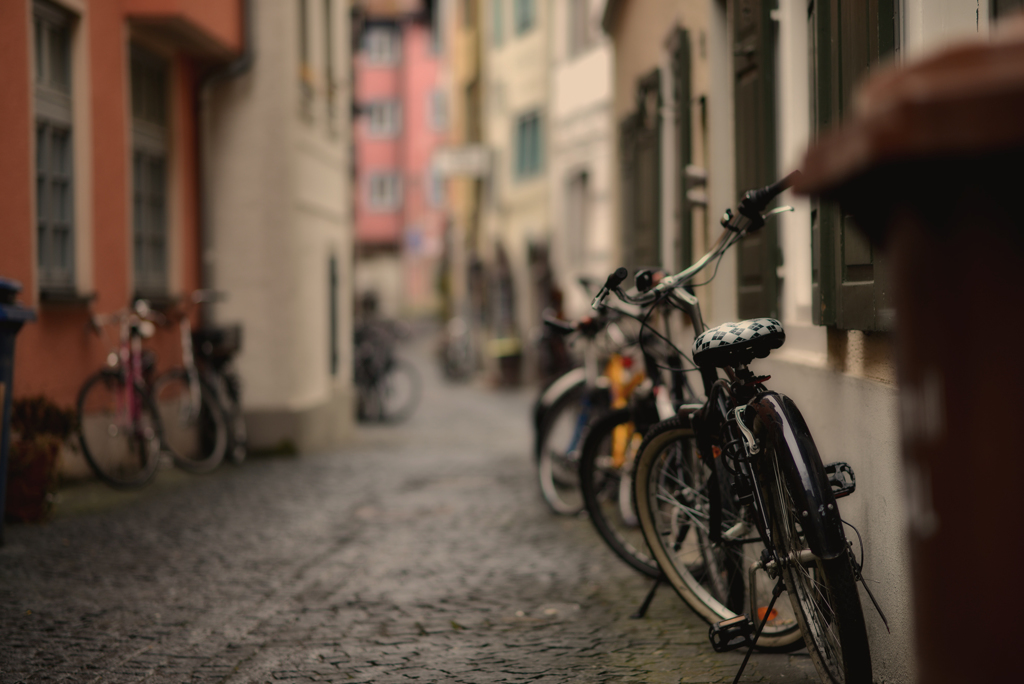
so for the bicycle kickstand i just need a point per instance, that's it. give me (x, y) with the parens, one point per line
(776, 592)
(642, 610)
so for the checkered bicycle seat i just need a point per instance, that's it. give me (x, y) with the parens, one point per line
(732, 344)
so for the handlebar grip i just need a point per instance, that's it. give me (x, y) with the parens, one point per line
(757, 200)
(616, 278)
(558, 324)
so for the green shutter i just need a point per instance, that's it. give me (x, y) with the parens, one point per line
(847, 38)
(684, 150)
(754, 59)
(640, 137)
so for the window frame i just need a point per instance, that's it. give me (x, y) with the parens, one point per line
(151, 171)
(54, 121)
(374, 44)
(524, 16)
(391, 184)
(529, 145)
(390, 123)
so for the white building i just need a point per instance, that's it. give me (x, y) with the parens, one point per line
(582, 136)
(279, 210)
(515, 221)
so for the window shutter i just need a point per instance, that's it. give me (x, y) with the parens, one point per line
(684, 151)
(753, 59)
(641, 177)
(847, 39)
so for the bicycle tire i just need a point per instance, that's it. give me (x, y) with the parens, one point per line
(603, 485)
(823, 592)
(673, 508)
(560, 438)
(197, 439)
(121, 452)
(399, 391)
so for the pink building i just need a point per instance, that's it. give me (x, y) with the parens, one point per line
(399, 202)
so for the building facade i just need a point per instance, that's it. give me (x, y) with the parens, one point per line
(582, 135)
(99, 127)
(403, 117)
(278, 160)
(767, 78)
(515, 229)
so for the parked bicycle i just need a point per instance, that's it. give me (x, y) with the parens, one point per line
(569, 404)
(388, 387)
(199, 412)
(119, 426)
(734, 501)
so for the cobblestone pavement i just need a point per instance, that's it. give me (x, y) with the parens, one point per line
(419, 553)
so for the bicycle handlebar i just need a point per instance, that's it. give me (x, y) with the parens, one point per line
(750, 207)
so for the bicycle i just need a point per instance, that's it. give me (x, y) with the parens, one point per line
(734, 501)
(609, 450)
(195, 422)
(119, 427)
(214, 348)
(388, 388)
(568, 405)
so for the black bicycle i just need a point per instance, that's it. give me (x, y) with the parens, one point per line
(732, 496)
(388, 387)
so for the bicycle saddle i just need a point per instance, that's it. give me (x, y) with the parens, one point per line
(733, 344)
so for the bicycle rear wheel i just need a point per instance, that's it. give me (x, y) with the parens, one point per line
(398, 391)
(562, 431)
(823, 592)
(119, 430)
(672, 493)
(194, 427)
(606, 481)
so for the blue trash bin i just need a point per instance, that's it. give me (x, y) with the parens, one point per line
(12, 317)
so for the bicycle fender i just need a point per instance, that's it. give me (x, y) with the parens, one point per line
(780, 426)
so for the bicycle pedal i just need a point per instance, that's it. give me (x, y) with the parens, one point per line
(728, 635)
(841, 478)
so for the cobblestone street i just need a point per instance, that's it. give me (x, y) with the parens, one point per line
(420, 552)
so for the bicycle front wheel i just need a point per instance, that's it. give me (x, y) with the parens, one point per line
(823, 592)
(673, 497)
(606, 481)
(194, 425)
(398, 391)
(119, 430)
(562, 431)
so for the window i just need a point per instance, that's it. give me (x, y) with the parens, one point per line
(385, 192)
(385, 118)
(149, 79)
(640, 159)
(332, 109)
(334, 342)
(848, 278)
(497, 22)
(305, 59)
(579, 27)
(54, 198)
(577, 205)
(528, 145)
(525, 15)
(439, 110)
(435, 188)
(382, 45)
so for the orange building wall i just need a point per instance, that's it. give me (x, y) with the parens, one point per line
(15, 146)
(55, 354)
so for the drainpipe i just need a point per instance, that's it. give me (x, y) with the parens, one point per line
(233, 69)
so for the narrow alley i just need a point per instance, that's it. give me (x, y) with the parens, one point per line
(421, 552)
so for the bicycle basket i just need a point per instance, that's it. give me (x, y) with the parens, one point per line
(217, 344)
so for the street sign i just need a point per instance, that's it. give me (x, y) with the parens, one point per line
(466, 160)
